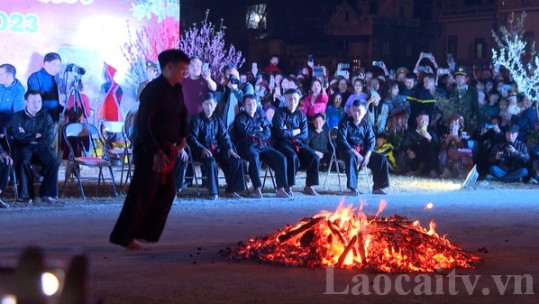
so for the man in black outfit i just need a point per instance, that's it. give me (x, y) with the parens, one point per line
(355, 145)
(210, 143)
(161, 130)
(253, 133)
(32, 131)
(6, 164)
(290, 131)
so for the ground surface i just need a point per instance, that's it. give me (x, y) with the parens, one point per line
(186, 267)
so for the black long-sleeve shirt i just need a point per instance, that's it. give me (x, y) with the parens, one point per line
(415, 142)
(208, 133)
(25, 127)
(351, 135)
(509, 161)
(162, 116)
(252, 131)
(284, 123)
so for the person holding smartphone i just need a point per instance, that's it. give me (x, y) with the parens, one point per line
(198, 83)
(419, 148)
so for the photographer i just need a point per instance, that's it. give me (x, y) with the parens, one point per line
(229, 95)
(509, 159)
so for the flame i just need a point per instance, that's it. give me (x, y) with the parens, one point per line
(347, 238)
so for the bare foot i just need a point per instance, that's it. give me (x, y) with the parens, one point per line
(132, 246)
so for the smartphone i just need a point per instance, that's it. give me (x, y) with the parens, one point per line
(489, 126)
(310, 58)
(377, 63)
(506, 87)
(345, 66)
(254, 65)
(423, 69)
(318, 72)
(205, 66)
(392, 73)
(443, 71)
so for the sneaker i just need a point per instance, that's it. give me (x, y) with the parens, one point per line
(378, 191)
(256, 193)
(232, 195)
(354, 192)
(534, 181)
(288, 191)
(214, 197)
(490, 177)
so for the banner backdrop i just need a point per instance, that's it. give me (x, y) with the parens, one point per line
(88, 33)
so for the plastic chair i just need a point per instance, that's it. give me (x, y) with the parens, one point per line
(86, 136)
(117, 144)
(335, 161)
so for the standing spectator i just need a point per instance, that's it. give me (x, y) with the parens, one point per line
(466, 96)
(334, 110)
(272, 67)
(253, 133)
(161, 125)
(343, 88)
(11, 94)
(425, 100)
(229, 95)
(357, 94)
(210, 143)
(151, 74)
(316, 101)
(355, 145)
(509, 159)
(290, 131)
(32, 136)
(44, 81)
(197, 84)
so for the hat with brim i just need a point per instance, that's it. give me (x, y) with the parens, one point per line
(461, 70)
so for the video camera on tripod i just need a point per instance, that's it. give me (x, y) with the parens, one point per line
(73, 87)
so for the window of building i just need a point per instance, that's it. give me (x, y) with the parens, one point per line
(256, 16)
(479, 48)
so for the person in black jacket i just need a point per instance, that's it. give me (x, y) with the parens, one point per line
(33, 133)
(253, 134)
(355, 145)
(160, 132)
(509, 159)
(289, 128)
(210, 143)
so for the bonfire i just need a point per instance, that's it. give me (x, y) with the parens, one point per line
(347, 238)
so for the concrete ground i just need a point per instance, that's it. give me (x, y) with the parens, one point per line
(498, 222)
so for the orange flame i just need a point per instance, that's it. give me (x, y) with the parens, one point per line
(347, 238)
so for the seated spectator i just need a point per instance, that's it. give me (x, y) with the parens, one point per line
(355, 146)
(492, 108)
(509, 159)
(33, 131)
(504, 113)
(425, 100)
(334, 111)
(397, 101)
(455, 157)
(290, 131)
(253, 133)
(490, 135)
(6, 164)
(319, 140)
(316, 101)
(384, 147)
(419, 148)
(343, 88)
(210, 143)
(272, 67)
(526, 120)
(11, 94)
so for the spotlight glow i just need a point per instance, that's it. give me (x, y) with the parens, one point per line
(429, 206)
(9, 299)
(49, 283)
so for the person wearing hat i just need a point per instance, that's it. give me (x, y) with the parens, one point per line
(510, 159)
(355, 146)
(467, 97)
(151, 74)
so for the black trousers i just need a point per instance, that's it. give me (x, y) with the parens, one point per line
(306, 157)
(49, 162)
(232, 168)
(179, 172)
(5, 170)
(427, 157)
(377, 165)
(273, 158)
(147, 204)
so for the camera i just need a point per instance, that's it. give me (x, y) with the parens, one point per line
(489, 126)
(75, 69)
(233, 79)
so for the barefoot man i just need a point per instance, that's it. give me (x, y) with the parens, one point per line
(160, 136)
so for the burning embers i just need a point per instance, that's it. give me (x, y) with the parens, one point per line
(347, 238)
